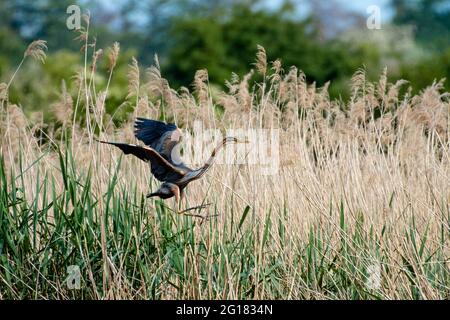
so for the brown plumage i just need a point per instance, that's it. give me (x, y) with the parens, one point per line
(160, 151)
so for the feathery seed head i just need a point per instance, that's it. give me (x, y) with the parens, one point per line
(113, 55)
(261, 60)
(36, 50)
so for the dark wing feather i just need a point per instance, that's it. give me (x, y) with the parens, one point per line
(160, 167)
(162, 137)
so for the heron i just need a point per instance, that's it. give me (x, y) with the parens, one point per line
(161, 141)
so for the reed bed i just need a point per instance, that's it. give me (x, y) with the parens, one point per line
(359, 207)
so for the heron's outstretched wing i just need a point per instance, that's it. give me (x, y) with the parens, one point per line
(162, 137)
(162, 169)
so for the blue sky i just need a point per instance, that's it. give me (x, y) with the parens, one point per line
(358, 6)
(361, 5)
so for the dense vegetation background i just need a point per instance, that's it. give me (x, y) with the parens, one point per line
(325, 39)
(359, 205)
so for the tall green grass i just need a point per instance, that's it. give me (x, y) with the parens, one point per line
(148, 252)
(359, 208)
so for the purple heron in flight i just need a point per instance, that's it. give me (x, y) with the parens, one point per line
(160, 140)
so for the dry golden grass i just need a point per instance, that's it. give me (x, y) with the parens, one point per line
(361, 183)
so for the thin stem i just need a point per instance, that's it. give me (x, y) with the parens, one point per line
(13, 76)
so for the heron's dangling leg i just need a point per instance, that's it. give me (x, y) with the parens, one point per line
(168, 189)
(176, 193)
(179, 195)
(202, 206)
(183, 196)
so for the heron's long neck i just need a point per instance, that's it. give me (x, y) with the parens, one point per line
(212, 158)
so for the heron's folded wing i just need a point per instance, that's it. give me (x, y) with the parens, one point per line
(162, 169)
(162, 137)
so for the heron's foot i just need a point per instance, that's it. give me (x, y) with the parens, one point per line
(207, 217)
(203, 218)
(203, 206)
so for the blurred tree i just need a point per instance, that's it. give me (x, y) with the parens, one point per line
(222, 36)
(197, 44)
(226, 41)
(422, 73)
(431, 19)
(332, 19)
(11, 44)
(40, 19)
(431, 22)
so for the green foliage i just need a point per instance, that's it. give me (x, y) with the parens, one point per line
(37, 88)
(221, 37)
(427, 70)
(431, 19)
(229, 42)
(197, 44)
